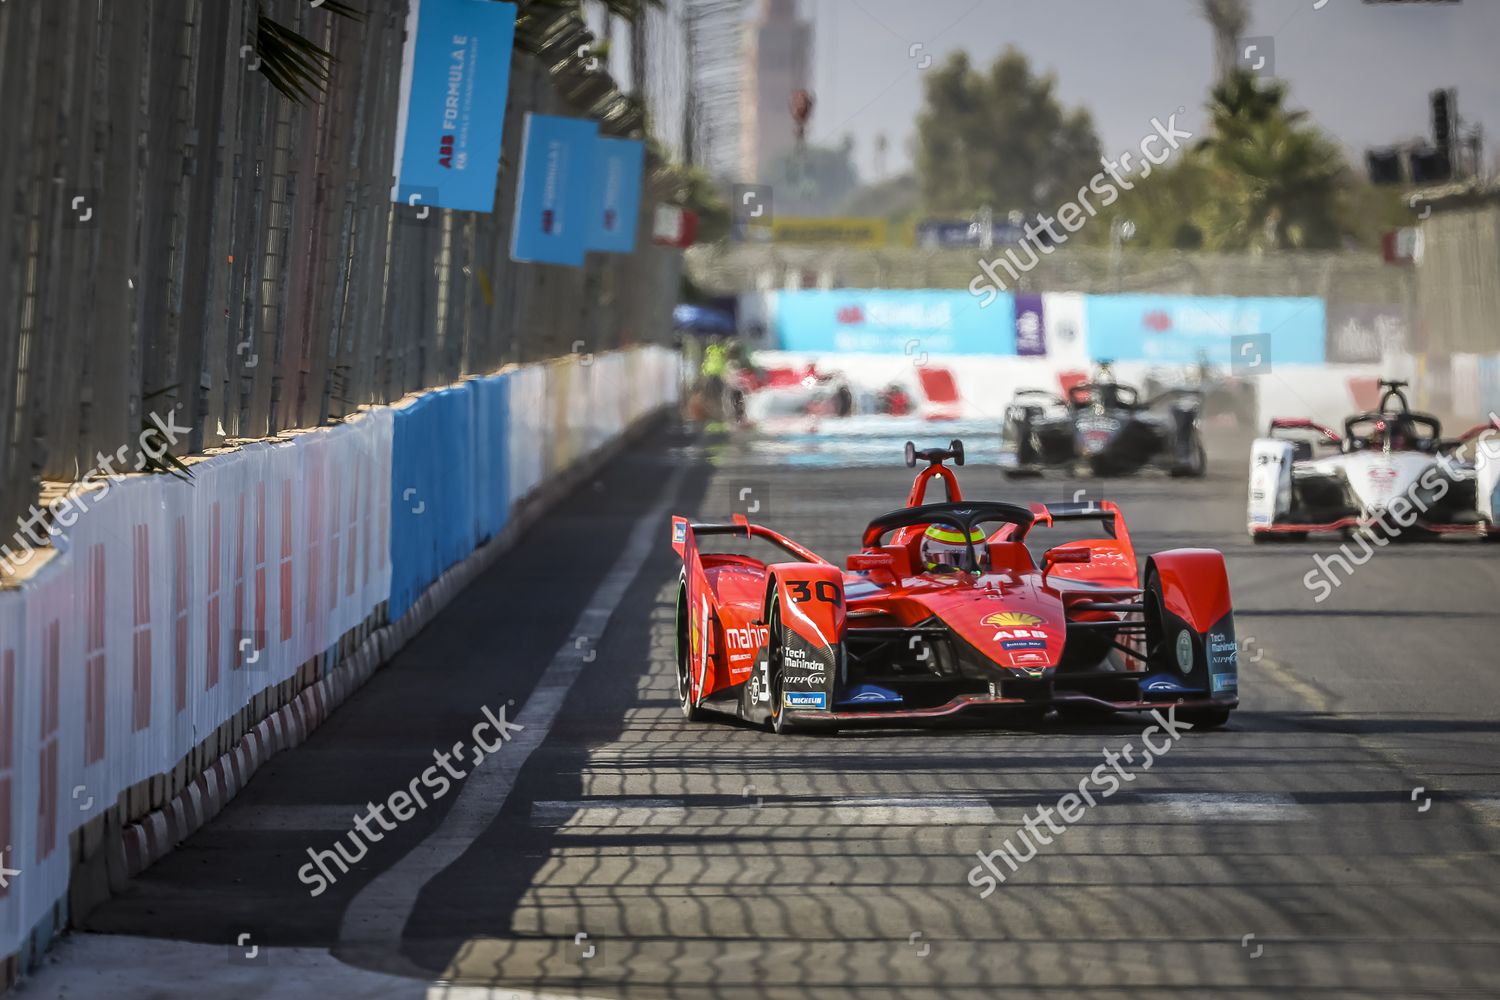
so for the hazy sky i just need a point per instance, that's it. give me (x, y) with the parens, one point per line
(1362, 70)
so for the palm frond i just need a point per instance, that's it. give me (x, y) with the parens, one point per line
(295, 65)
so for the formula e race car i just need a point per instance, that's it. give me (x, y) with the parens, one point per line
(1223, 394)
(1391, 468)
(951, 607)
(1105, 426)
(753, 395)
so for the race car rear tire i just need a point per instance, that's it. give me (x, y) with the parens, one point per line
(1195, 469)
(690, 711)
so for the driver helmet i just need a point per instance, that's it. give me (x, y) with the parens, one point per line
(1400, 435)
(943, 547)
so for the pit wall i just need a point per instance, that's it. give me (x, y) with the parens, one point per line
(181, 633)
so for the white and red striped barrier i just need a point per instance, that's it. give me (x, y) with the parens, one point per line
(170, 606)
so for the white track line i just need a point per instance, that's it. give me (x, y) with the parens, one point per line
(870, 811)
(378, 913)
(1252, 807)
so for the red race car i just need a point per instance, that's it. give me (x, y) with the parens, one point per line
(946, 609)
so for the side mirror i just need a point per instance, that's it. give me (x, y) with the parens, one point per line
(1063, 555)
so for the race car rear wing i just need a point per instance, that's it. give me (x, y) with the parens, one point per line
(1105, 511)
(1302, 424)
(1478, 430)
(685, 534)
(1168, 395)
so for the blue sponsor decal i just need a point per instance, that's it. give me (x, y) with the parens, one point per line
(1166, 685)
(914, 322)
(1175, 329)
(1226, 682)
(1024, 644)
(617, 194)
(866, 694)
(454, 82)
(679, 531)
(805, 699)
(555, 193)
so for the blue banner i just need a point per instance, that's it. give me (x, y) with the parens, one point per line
(432, 494)
(893, 321)
(455, 78)
(958, 233)
(1177, 329)
(617, 194)
(450, 481)
(554, 196)
(947, 233)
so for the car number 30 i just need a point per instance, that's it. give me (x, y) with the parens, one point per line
(823, 591)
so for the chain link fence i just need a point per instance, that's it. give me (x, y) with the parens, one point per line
(178, 238)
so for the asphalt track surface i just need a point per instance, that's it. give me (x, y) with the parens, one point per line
(1338, 838)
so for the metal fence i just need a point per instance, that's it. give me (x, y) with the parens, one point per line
(1338, 277)
(177, 237)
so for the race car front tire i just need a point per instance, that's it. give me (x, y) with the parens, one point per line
(780, 723)
(1157, 629)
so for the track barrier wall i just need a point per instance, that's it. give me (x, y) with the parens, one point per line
(175, 618)
(1306, 358)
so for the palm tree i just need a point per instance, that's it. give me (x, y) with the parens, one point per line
(1279, 180)
(1229, 19)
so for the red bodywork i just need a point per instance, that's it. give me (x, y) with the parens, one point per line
(1024, 630)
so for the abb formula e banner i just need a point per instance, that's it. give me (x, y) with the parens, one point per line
(1183, 329)
(618, 164)
(892, 321)
(455, 78)
(555, 197)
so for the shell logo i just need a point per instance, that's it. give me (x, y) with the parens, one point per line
(1010, 619)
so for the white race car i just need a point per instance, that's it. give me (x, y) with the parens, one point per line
(1391, 467)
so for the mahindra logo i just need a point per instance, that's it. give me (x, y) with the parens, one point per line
(851, 316)
(1158, 321)
(445, 150)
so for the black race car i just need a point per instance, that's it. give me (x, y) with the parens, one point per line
(1105, 426)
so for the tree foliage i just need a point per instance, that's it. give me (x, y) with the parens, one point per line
(1000, 138)
(1263, 179)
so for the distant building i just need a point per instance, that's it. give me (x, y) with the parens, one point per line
(776, 56)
